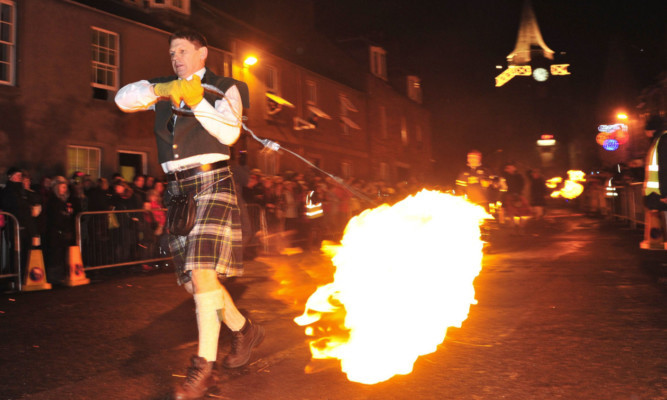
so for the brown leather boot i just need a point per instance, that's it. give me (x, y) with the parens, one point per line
(243, 341)
(200, 378)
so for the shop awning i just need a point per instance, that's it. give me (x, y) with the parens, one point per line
(318, 112)
(350, 123)
(279, 100)
(348, 104)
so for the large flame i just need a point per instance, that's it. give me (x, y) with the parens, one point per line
(404, 274)
(571, 188)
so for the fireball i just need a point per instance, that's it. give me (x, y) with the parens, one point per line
(404, 274)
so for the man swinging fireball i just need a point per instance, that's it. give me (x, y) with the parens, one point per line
(194, 130)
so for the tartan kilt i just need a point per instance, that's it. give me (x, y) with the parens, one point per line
(215, 241)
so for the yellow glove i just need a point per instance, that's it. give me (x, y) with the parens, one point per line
(191, 91)
(171, 89)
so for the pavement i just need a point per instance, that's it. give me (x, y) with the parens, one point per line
(567, 309)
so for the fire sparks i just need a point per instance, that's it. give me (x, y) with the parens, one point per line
(571, 188)
(404, 274)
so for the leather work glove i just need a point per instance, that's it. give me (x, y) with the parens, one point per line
(171, 89)
(192, 91)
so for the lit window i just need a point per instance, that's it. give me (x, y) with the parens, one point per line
(379, 62)
(83, 159)
(311, 92)
(7, 41)
(346, 169)
(105, 59)
(404, 131)
(272, 79)
(227, 65)
(414, 88)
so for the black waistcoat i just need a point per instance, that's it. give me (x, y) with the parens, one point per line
(189, 137)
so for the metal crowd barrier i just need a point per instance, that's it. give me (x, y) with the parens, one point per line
(10, 249)
(117, 238)
(125, 237)
(258, 228)
(622, 202)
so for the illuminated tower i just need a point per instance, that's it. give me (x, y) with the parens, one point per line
(531, 55)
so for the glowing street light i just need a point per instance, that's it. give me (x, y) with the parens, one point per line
(622, 116)
(250, 61)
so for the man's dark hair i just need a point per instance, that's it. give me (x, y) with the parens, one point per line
(189, 34)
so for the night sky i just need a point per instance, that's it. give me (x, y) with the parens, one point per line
(454, 46)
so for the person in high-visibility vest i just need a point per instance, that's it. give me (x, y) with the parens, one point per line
(474, 181)
(655, 179)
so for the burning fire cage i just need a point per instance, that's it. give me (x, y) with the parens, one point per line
(108, 239)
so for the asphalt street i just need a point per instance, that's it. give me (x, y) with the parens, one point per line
(569, 309)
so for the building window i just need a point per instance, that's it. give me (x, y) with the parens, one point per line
(7, 41)
(418, 134)
(404, 131)
(346, 169)
(346, 107)
(383, 122)
(271, 79)
(414, 88)
(105, 59)
(311, 92)
(384, 171)
(83, 159)
(227, 65)
(379, 62)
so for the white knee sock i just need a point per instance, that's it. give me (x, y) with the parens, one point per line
(208, 306)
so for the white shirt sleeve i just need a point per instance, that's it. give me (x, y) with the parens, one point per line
(223, 121)
(137, 96)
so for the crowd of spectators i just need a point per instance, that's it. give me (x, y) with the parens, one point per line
(46, 211)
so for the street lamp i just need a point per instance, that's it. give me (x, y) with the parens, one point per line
(250, 61)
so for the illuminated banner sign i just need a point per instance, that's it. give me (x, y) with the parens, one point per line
(610, 145)
(612, 128)
(610, 137)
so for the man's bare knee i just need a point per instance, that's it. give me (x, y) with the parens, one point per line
(205, 280)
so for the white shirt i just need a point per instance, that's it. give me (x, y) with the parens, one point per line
(221, 120)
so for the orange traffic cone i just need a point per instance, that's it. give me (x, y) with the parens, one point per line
(36, 275)
(654, 231)
(77, 276)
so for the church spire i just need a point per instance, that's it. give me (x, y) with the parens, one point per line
(529, 41)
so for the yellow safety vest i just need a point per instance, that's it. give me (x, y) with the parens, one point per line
(313, 210)
(652, 180)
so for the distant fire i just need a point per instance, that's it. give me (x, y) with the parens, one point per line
(571, 188)
(404, 274)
